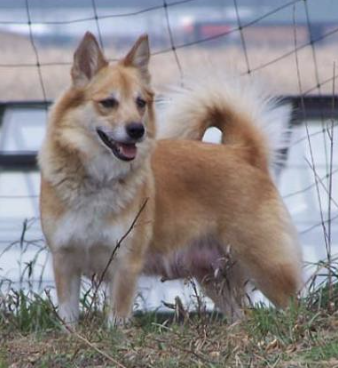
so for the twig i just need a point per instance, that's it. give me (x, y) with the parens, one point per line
(188, 351)
(330, 134)
(101, 352)
(21, 242)
(197, 296)
(82, 338)
(308, 134)
(117, 246)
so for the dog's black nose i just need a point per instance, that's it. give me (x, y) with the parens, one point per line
(135, 130)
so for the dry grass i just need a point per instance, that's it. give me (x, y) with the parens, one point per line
(23, 83)
(305, 335)
(266, 339)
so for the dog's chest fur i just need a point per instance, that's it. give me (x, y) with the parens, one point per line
(93, 216)
(90, 223)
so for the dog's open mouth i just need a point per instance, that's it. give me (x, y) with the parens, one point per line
(123, 151)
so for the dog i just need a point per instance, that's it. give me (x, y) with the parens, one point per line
(196, 203)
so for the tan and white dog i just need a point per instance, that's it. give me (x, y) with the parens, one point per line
(100, 162)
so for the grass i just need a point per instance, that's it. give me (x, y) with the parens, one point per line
(305, 335)
(302, 336)
(319, 353)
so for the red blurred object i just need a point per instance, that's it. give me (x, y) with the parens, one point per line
(211, 30)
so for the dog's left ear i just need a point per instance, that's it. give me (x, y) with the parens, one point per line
(139, 55)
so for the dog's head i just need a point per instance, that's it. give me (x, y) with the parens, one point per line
(110, 106)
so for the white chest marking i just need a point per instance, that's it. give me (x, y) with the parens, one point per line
(88, 225)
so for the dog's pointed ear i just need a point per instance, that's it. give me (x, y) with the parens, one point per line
(139, 56)
(88, 60)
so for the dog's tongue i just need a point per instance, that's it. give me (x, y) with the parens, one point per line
(128, 150)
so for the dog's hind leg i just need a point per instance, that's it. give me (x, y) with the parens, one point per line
(68, 281)
(268, 249)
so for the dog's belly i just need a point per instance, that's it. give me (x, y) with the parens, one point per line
(196, 260)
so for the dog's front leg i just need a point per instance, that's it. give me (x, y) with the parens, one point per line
(122, 291)
(67, 279)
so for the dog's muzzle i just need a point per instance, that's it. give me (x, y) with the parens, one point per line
(123, 150)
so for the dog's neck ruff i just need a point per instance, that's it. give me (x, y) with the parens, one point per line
(103, 179)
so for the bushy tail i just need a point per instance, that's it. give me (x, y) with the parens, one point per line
(248, 117)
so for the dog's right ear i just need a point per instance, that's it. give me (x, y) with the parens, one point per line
(88, 60)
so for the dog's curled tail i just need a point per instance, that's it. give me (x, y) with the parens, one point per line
(248, 117)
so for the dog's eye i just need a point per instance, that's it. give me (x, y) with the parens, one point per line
(109, 103)
(140, 102)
